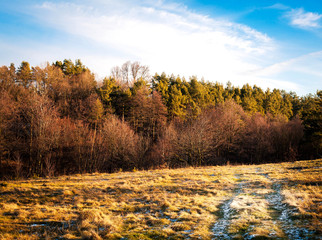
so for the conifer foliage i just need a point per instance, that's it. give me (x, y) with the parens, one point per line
(58, 119)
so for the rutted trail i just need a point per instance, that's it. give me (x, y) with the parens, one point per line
(220, 228)
(292, 228)
(258, 208)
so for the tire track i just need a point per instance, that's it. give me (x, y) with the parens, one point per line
(220, 228)
(281, 214)
(291, 228)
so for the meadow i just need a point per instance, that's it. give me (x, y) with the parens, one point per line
(269, 201)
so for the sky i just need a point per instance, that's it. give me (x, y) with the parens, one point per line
(271, 44)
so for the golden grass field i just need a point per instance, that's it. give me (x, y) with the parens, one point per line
(270, 201)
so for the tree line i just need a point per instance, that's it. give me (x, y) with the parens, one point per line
(58, 119)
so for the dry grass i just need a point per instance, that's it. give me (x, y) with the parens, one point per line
(158, 204)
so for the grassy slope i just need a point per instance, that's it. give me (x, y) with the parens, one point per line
(170, 204)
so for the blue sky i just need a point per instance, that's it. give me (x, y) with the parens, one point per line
(275, 44)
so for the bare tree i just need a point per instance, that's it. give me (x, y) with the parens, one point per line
(256, 145)
(116, 73)
(139, 71)
(126, 68)
(18, 165)
(50, 166)
(227, 125)
(121, 145)
(129, 73)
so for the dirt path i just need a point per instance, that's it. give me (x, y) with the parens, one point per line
(257, 210)
(225, 214)
(284, 214)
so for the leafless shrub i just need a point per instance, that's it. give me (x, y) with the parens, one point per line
(50, 166)
(18, 166)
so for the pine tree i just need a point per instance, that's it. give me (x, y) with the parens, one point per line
(24, 74)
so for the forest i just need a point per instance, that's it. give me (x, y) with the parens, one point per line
(59, 119)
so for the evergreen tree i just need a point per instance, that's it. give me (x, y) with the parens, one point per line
(24, 74)
(311, 114)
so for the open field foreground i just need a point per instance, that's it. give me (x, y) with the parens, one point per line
(271, 201)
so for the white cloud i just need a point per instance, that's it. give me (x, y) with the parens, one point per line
(302, 19)
(279, 6)
(296, 64)
(167, 37)
(300, 74)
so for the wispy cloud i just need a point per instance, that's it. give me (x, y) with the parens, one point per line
(278, 6)
(298, 71)
(299, 65)
(300, 18)
(168, 37)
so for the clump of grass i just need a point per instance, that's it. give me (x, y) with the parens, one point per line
(238, 225)
(69, 236)
(96, 219)
(179, 226)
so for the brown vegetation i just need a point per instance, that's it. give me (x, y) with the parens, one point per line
(57, 120)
